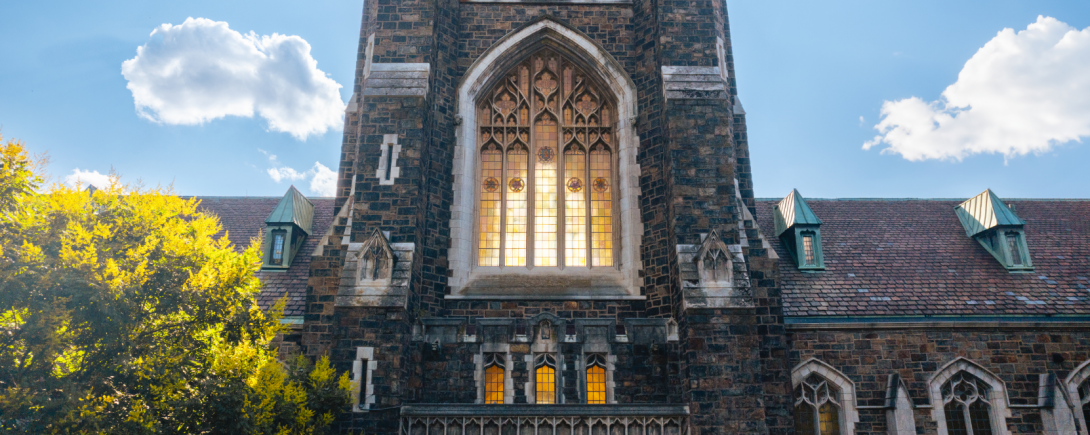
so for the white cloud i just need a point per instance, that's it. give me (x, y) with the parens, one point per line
(323, 181)
(1023, 92)
(201, 70)
(80, 178)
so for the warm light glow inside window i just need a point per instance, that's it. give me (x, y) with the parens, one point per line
(546, 168)
(817, 411)
(493, 384)
(596, 385)
(545, 382)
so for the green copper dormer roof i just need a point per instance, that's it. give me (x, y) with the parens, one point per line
(294, 208)
(984, 212)
(792, 211)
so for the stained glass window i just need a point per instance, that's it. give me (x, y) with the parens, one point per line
(965, 403)
(546, 168)
(817, 408)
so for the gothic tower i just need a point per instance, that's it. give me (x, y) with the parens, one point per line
(545, 219)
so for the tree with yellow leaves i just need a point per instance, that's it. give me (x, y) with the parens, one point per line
(121, 312)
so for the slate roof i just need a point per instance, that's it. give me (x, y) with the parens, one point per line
(244, 218)
(911, 257)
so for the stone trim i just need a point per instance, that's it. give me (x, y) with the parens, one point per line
(389, 145)
(920, 324)
(570, 410)
(997, 394)
(480, 75)
(699, 290)
(394, 293)
(1076, 378)
(1057, 409)
(361, 373)
(397, 80)
(900, 419)
(693, 83)
(850, 416)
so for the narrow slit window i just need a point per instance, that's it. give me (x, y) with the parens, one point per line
(545, 192)
(517, 216)
(808, 249)
(596, 380)
(276, 257)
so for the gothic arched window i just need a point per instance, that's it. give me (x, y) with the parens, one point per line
(494, 379)
(817, 407)
(965, 403)
(545, 379)
(547, 167)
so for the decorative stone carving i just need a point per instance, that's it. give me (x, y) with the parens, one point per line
(713, 274)
(376, 273)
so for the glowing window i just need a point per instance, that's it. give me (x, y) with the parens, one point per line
(546, 168)
(596, 382)
(493, 384)
(817, 411)
(545, 383)
(966, 406)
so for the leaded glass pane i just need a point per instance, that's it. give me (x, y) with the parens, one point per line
(829, 416)
(493, 385)
(545, 192)
(808, 249)
(596, 385)
(804, 419)
(601, 205)
(545, 383)
(488, 253)
(575, 207)
(517, 214)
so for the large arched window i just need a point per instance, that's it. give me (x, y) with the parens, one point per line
(547, 168)
(1078, 389)
(966, 399)
(824, 400)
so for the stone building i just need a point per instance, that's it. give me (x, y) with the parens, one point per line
(545, 223)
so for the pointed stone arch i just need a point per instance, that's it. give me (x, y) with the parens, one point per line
(1080, 375)
(997, 393)
(846, 388)
(602, 68)
(375, 261)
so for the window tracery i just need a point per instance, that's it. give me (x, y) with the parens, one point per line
(547, 165)
(965, 402)
(817, 407)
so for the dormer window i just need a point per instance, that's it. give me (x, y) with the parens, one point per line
(277, 256)
(808, 248)
(800, 231)
(997, 228)
(286, 229)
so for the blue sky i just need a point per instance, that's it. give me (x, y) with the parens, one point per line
(813, 77)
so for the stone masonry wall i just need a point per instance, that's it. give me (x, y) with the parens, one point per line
(1017, 355)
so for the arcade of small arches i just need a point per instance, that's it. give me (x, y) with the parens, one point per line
(965, 398)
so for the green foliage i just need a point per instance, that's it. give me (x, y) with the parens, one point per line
(120, 312)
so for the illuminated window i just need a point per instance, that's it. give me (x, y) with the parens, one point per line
(277, 255)
(596, 380)
(817, 409)
(545, 380)
(965, 403)
(494, 380)
(546, 168)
